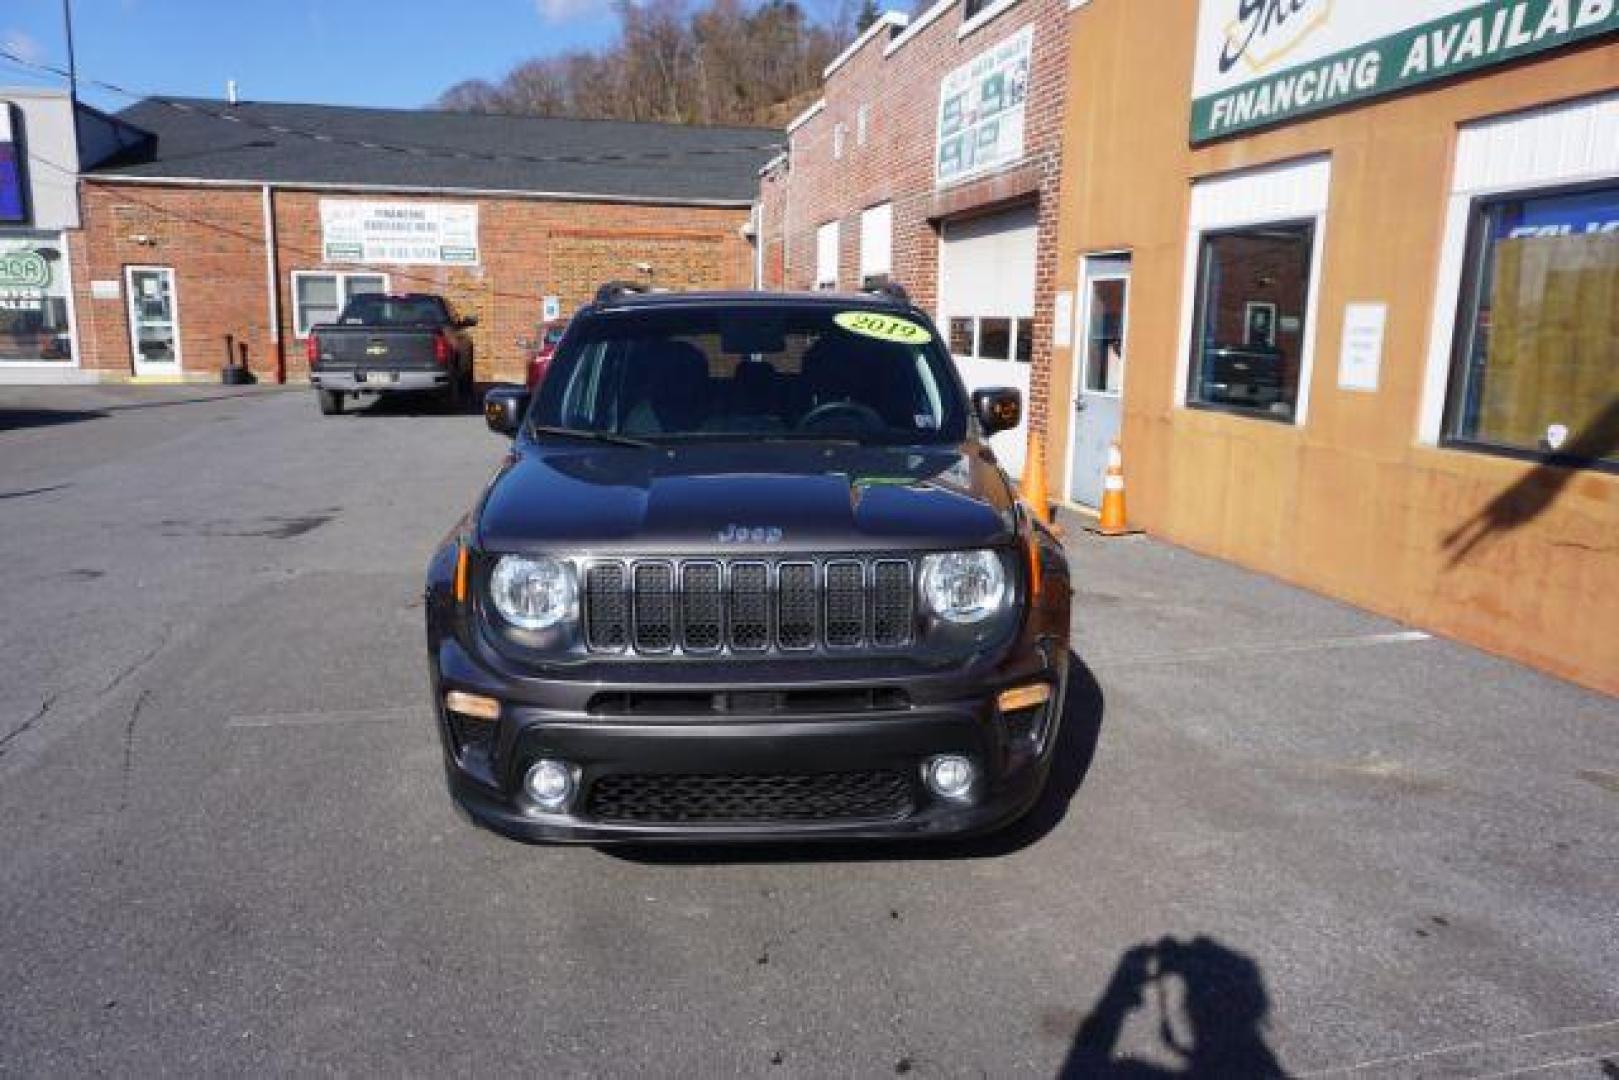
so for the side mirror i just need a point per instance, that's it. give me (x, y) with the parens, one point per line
(503, 409)
(467, 322)
(998, 408)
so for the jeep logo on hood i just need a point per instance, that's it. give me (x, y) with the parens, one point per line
(749, 534)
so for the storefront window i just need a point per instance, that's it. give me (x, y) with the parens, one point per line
(1537, 362)
(34, 287)
(1248, 333)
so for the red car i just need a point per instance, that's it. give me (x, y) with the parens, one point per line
(540, 350)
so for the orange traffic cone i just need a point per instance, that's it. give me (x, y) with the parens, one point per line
(1032, 485)
(1112, 521)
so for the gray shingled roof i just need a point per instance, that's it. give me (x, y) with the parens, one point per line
(427, 149)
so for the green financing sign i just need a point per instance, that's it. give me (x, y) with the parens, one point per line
(1484, 34)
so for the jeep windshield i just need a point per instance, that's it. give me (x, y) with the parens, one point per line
(745, 372)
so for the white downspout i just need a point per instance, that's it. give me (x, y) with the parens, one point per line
(270, 274)
(759, 245)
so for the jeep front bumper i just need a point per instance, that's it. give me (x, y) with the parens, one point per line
(842, 757)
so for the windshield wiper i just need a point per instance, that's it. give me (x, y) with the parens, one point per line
(836, 440)
(592, 436)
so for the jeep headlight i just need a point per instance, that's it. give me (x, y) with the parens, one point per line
(964, 587)
(534, 593)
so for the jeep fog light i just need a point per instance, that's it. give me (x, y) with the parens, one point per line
(550, 784)
(950, 776)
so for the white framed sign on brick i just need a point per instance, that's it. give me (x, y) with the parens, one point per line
(981, 107)
(409, 233)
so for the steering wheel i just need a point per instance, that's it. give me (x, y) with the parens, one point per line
(865, 414)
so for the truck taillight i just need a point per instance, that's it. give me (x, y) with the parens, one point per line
(441, 349)
(312, 348)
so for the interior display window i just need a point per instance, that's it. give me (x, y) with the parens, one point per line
(992, 337)
(1024, 351)
(34, 321)
(1536, 364)
(963, 337)
(995, 339)
(319, 297)
(1248, 332)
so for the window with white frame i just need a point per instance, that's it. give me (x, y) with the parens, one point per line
(1523, 360)
(1535, 367)
(826, 256)
(1253, 264)
(839, 133)
(318, 296)
(876, 245)
(862, 125)
(1248, 333)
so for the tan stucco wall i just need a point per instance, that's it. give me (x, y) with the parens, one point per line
(1350, 503)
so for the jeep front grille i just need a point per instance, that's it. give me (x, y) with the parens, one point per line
(706, 606)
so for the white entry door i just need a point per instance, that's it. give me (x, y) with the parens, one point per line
(1100, 337)
(986, 306)
(154, 319)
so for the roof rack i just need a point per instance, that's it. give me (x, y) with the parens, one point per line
(613, 291)
(893, 290)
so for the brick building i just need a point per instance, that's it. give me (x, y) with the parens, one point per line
(211, 226)
(933, 159)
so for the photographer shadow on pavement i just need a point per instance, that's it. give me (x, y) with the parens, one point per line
(1071, 758)
(1208, 1007)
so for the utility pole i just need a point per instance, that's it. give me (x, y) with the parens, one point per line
(73, 112)
(72, 60)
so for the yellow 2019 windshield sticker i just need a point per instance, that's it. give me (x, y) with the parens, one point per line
(874, 324)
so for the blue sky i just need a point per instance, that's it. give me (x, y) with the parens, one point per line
(351, 52)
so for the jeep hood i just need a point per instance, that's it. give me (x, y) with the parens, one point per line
(751, 497)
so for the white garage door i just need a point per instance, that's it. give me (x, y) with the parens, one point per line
(986, 306)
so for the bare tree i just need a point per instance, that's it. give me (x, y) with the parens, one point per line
(724, 62)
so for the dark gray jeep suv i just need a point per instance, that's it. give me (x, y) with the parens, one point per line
(750, 571)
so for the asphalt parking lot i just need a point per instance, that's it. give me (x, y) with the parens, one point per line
(1288, 835)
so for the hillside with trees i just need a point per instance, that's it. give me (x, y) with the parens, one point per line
(718, 62)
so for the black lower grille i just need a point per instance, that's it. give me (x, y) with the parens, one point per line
(847, 796)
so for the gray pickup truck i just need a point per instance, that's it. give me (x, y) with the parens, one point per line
(388, 344)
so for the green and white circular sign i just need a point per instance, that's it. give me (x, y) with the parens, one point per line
(21, 268)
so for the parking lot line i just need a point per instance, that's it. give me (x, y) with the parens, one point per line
(1496, 1046)
(1264, 648)
(324, 719)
